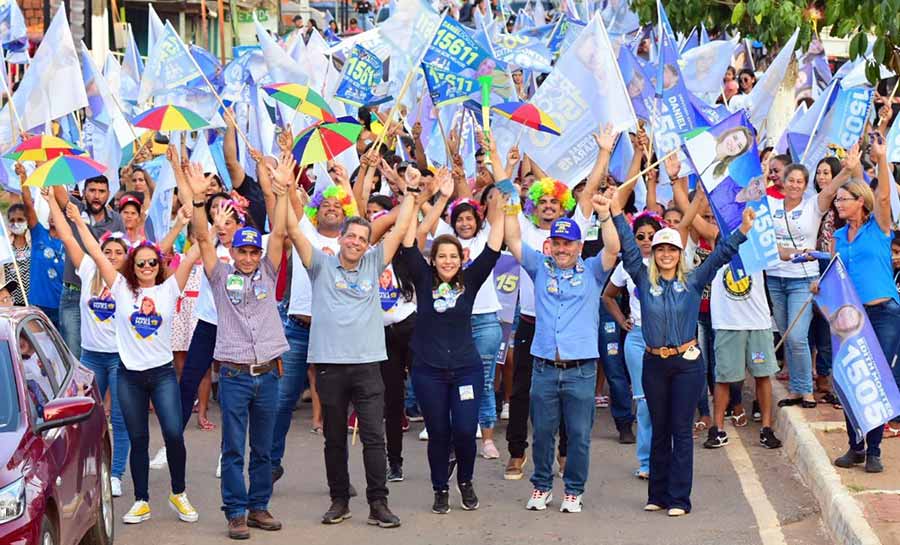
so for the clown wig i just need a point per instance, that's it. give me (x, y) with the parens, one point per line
(547, 187)
(330, 192)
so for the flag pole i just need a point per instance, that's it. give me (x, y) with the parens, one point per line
(650, 167)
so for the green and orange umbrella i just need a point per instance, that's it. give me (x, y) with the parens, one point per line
(527, 114)
(65, 170)
(42, 148)
(302, 99)
(323, 141)
(169, 118)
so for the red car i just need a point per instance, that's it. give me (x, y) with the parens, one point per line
(54, 441)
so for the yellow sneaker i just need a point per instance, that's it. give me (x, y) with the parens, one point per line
(182, 505)
(138, 513)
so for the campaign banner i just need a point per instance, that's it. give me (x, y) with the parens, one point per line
(843, 123)
(726, 158)
(362, 74)
(455, 49)
(447, 87)
(862, 375)
(506, 275)
(524, 49)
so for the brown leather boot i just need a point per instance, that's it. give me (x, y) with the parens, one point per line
(237, 528)
(514, 469)
(263, 520)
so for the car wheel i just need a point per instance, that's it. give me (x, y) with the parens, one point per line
(48, 532)
(102, 531)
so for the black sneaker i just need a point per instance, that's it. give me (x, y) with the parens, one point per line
(715, 438)
(441, 503)
(338, 512)
(626, 436)
(873, 464)
(767, 438)
(381, 516)
(850, 459)
(395, 473)
(469, 501)
(757, 413)
(277, 472)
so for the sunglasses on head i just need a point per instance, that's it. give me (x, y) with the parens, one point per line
(152, 262)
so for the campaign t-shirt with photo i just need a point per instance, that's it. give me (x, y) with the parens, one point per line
(395, 308)
(804, 222)
(144, 323)
(98, 330)
(739, 305)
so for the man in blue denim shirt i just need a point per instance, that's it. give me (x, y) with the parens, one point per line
(567, 295)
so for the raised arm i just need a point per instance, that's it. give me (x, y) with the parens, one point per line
(512, 233)
(419, 149)
(182, 218)
(28, 202)
(107, 271)
(611, 244)
(183, 272)
(342, 178)
(883, 191)
(631, 254)
(429, 223)
(73, 249)
(605, 140)
(197, 186)
(301, 243)
(705, 229)
(497, 201)
(723, 252)
(282, 177)
(230, 149)
(499, 169)
(394, 237)
(852, 165)
(180, 180)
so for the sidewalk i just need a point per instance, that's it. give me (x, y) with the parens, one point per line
(858, 508)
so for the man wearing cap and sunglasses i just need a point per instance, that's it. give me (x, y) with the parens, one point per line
(249, 342)
(567, 296)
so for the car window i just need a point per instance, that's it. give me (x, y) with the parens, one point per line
(9, 399)
(38, 380)
(56, 363)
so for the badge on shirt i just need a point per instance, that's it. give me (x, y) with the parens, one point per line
(260, 291)
(593, 232)
(234, 287)
(466, 393)
(609, 327)
(656, 291)
(612, 349)
(146, 321)
(103, 307)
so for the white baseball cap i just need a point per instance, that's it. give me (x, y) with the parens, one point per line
(667, 236)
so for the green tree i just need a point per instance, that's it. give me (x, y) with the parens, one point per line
(773, 21)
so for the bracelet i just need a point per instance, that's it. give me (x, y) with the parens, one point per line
(512, 209)
(606, 219)
(199, 204)
(413, 190)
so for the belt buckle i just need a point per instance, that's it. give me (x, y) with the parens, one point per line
(253, 369)
(665, 352)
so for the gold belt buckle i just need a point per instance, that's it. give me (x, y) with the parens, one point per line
(665, 352)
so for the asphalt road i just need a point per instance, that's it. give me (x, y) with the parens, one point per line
(724, 479)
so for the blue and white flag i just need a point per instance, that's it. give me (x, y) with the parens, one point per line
(842, 124)
(155, 28)
(727, 160)
(132, 69)
(282, 68)
(638, 82)
(447, 87)
(692, 41)
(704, 66)
(409, 29)
(862, 373)
(526, 49)
(619, 18)
(160, 211)
(763, 93)
(13, 33)
(453, 48)
(169, 67)
(362, 79)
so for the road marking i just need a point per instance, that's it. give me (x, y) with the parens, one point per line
(766, 518)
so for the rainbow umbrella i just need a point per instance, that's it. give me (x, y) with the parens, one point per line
(65, 170)
(323, 141)
(527, 114)
(42, 148)
(169, 118)
(301, 98)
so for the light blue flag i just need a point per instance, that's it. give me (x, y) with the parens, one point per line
(692, 41)
(132, 69)
(619, 18)
(168, 68)
(704, 66)
(447, 87)
(467, 128)
(453, 48)
(282, 68)
(361, 77)
(155, 28)
(101, 107)
(841, 125)
(540, 16)
(893, 143)
(526, 49)
(217, 150)
(409, 29)
(523, 21)
(638, 82)
(585, 91)
(13, 33)
(763, 94)
(160, 211)
(704, 36)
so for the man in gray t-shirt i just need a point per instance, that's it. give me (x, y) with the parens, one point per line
(346, 343)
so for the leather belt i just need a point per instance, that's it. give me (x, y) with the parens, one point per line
(300, 320)
(252, 369)
(566, 364)
(669, 351)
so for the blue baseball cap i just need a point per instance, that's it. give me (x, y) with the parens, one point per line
(247, 236)
(566, 229)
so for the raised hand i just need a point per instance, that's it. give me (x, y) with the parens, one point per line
(606, 138)
(747, 219)
(444, 182)
(196, 180)
(601, 206)
(877, 146)
(413, 176)
(673, 166)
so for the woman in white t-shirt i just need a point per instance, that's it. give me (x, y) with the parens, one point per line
(468, 225)
(145, 304)
(796, 220)
(644, 227)
(98, 335)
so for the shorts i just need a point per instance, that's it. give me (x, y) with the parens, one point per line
(740, 350)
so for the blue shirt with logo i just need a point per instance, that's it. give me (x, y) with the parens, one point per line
(47, 265)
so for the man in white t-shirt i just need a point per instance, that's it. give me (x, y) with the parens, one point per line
(743, 341)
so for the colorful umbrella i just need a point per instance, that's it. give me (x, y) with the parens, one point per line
(65, 170)
(301, 98)
(322, 141)
(169, 118)
(527, 114)
(42, 148)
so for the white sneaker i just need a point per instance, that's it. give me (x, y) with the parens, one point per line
(571, 504)
(478, 432)
(219, 467)
(504, 412)
(423, 435)
(539, 500)
(138, 513)
(159, 460)
(116, 485)
(489, 450)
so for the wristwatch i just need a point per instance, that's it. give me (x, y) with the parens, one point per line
(199, 204)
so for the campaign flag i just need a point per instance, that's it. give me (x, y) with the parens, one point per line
(540, 16)
(704, 66)
(101, 104)
(704, 36)
(742, 57)
(841, 125)
(408, 29)
(506, 275)
(585, 91)
(132, 69)
(726, 158)
(282, 68)
(862, 375)
(155, 28)
(362, 74)
(13, 33)
(565, 32)
(169, 67)
(638, 82)
(619, 18)
(455, 49)
(526, 49)
(160, 211)
(692, 41)
(446, 87)
(763, 94)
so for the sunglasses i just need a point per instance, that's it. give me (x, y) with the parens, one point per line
(152, 262)
(642, 237)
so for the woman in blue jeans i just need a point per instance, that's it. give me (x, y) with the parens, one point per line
(145, 298)
(98, 334)
(864, 244)
(447, 372)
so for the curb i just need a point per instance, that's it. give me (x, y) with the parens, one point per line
(842, 514)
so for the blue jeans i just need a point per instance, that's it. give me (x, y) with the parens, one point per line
(885, 320)
(136, 390)
(634, 357)
(70, 318)
(105, 367)
(247, 403)
(615, 370)
(451, 421)
(199, 359)
(291, 385)
(672, 386)
(488, 335)
(788, 296)
(569, 394)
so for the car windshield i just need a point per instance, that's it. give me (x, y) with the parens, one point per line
(9, 399)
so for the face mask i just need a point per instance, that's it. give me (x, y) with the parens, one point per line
(18, 228)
